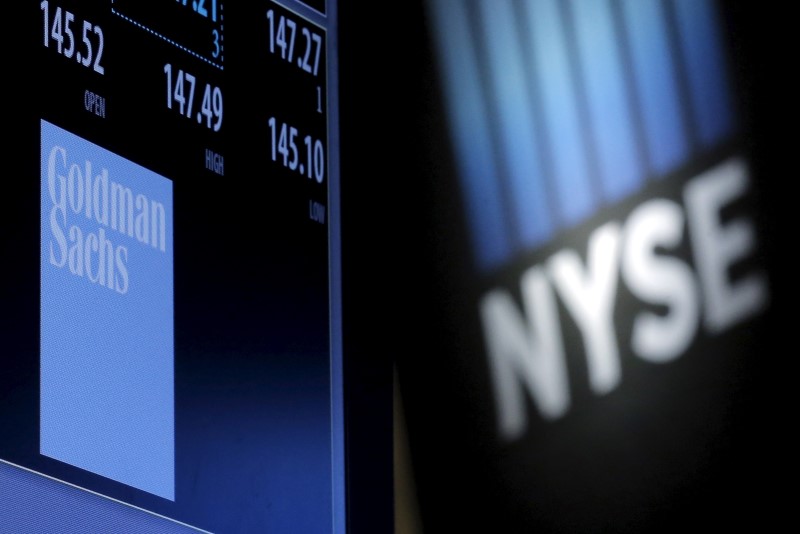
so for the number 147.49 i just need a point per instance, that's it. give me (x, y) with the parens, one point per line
(180, 97)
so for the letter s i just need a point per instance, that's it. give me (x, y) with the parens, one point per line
(122, 269)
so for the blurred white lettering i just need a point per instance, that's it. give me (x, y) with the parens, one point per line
(526, 346)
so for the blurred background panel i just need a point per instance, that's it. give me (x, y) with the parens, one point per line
(578, 275)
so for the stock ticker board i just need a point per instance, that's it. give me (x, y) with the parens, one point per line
(172, 356)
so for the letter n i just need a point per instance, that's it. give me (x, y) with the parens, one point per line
(526, 353)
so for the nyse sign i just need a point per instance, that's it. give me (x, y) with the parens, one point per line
(525, 344)
(560, 112)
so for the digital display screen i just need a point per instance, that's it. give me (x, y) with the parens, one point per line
(171, 289)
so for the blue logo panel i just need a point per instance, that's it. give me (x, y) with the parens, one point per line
(608, 98)
(558, 109)
(518, 137)
(469, 123)
(708, 81)
(656, 75)
(554, 80)
(107, 328)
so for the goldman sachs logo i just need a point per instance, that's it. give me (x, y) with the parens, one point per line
(560, 111)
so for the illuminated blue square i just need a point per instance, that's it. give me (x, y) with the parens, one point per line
(107, 328)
